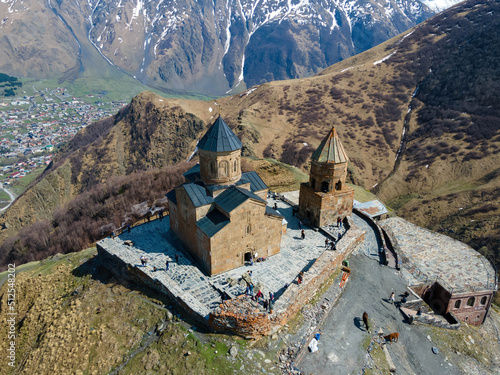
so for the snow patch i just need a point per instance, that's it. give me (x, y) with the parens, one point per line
(440, 5)
(385, 58)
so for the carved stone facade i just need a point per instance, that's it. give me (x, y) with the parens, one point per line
(220, 214)
(326, 196)
(222, 168)
(471, 307)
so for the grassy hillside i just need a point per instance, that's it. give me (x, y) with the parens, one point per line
(74, 317)
(418, 116)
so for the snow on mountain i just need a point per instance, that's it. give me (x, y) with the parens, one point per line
(440, 5)
(219, 46)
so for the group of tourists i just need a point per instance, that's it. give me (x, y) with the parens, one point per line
(404, 297)
(267, 304)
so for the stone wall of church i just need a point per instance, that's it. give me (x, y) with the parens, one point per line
(324, 208)
(250, 231)
(220, 168)
(183, 218)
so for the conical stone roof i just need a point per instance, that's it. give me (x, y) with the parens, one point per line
(219, 138)
(330, 150)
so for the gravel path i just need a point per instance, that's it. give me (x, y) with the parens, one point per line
(340, 346)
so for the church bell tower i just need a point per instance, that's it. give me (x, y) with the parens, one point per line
(326, 196)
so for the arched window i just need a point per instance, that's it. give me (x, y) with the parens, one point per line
(324, 186)
(471, 301)
(483, 300)
(338, 186)
(224, 169)
(235, 165)
(457, 304)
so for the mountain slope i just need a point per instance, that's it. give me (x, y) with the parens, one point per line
(208, 47)
(418, 116)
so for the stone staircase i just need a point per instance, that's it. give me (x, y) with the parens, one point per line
(428, 318)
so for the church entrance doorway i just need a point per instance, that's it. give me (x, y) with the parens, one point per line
(248, 257)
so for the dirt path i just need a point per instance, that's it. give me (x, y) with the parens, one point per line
(369, 288)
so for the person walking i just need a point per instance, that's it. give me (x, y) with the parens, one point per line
(326, 243)
(339, 222)
(271, 306)
(166, 265)
(391, 298)
(303, 234)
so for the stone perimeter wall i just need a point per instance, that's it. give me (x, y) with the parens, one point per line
(252, 323)
(124, 272)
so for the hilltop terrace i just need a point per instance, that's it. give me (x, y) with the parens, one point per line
(200, 294)
(434, 256)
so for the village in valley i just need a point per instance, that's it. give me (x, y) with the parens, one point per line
(38, 121)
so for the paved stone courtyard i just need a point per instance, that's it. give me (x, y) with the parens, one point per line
(156, 242)
(434, 256)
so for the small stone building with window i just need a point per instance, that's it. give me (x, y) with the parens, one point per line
(220, 214)
(450, 276)
(327, 196)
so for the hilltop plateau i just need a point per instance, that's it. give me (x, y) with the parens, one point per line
(418, 116)
(75, 317)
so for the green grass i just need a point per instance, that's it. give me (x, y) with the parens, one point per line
(119, 87)
(4, 196)
(20, 185)
(362, 195)
(399, 201)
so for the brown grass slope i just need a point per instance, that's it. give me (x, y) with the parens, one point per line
(436, 84)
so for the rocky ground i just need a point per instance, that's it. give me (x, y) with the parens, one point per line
(73, 317)
(347, 348)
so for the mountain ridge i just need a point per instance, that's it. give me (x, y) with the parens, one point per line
(207, 47)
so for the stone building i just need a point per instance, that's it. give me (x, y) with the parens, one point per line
(450, 276)
(326, 196)
(220, 214)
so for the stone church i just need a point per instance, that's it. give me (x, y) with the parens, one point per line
(220, 214)
(327, 196)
